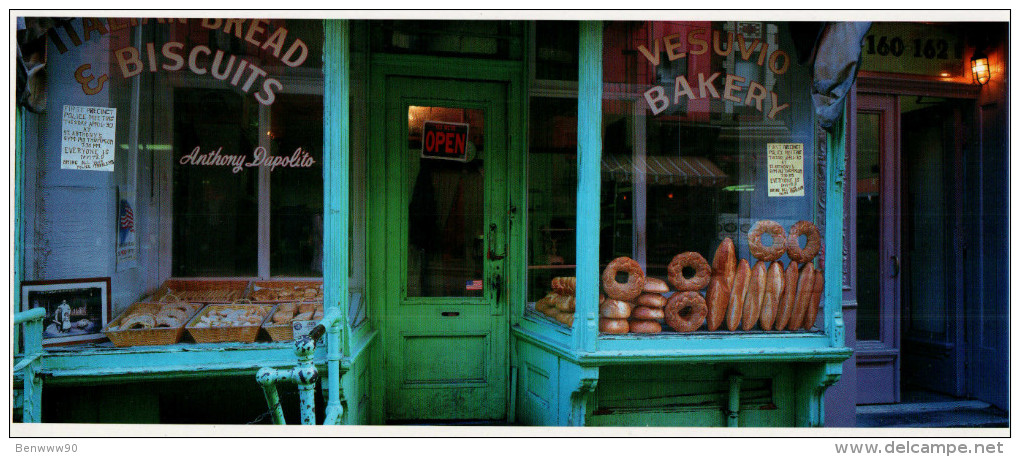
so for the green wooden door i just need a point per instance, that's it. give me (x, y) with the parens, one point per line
(445, 324)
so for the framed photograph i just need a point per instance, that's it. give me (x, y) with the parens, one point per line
(76, 309)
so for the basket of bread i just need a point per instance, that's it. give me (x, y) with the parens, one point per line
(151, 323)
(279, 325)
(238, 321)
(282, 291)
(204, 290)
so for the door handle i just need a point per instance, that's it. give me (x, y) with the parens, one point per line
(497, 285)
(895, 266)
(491, 255)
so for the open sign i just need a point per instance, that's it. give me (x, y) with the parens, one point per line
(444, 140)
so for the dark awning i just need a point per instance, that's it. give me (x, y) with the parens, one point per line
(683, 171)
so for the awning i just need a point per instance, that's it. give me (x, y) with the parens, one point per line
(683, 171)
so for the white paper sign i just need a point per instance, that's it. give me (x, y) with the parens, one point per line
(88, 136)
(786, 169)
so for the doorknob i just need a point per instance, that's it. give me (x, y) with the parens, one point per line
(895, 266)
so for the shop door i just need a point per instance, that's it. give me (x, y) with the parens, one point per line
(878, 250)
(445, 328)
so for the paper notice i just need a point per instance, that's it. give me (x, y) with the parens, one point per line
(88, 134)
(786, 169)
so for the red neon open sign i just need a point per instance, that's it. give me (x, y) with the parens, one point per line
(444, 140)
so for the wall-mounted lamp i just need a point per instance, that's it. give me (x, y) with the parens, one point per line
(979, 67)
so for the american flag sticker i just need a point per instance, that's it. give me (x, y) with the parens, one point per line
(474, 284)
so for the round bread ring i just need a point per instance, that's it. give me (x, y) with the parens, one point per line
(142, 320)
(644, 326)
(645, 313)
(811, 248)
(702, 274)
(759, 251)
(635, 279)
(686, 311)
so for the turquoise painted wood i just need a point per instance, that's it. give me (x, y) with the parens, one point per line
(336, 200)
(589, 185)
(833, 293)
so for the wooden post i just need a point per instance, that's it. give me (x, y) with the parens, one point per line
(833, 293)
(589, 182)
(336, 195)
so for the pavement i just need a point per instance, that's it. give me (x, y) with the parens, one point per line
(928, 409)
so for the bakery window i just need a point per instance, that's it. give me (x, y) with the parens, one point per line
(709, 195)
(180, 160)
(552, 174)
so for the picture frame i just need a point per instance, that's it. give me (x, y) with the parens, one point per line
(77, 310)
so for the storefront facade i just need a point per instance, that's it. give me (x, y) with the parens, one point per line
(452, 198)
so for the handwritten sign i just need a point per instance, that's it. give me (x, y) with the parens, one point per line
(88, 134)
(444, 140)
(786, 169)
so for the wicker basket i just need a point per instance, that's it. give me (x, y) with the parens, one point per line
(241, 334)
(203, 290)
(283, 291)
(157, 336)
(281, 332)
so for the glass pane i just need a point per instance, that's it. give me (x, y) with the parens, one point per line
(552, 193)
(482, 39)
(707, 130)
(556, 50)
(869, 186)
(215, 209)
(296, 189)
(446, 210)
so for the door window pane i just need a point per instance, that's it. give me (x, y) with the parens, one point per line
(446, 208)
(869, 185)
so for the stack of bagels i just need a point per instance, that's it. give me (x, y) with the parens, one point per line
(768, 296)
(559, 304)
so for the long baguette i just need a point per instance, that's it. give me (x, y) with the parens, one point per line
(804, 289)
(755, 295)
(789, 296)
(817, 286)
(736, 304)
(773, 291)
(724, 268)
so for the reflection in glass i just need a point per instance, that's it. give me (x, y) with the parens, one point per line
(446, 210)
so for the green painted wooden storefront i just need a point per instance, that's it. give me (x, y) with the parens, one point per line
(436, 358)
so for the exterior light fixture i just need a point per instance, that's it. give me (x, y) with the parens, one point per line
(979, 67)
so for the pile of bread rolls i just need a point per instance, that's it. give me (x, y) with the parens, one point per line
(768, 296)
(559, 304)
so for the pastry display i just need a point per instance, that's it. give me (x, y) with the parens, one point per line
(643, 326)
(724, 268)
(154, 316)
(811, 248)
(655, 286)
(613, 326)
(615, 309)
(702, 272)
(559, 304)
(230, 317)
(817, 286)
(759, 250)
(308, 292)
(651, 300)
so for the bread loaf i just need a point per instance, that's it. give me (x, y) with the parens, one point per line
(739, 291)
(655, 286)
(773, 291)
(644, 326)
(724, 266)
(615, 309)
(817, 287)
(754, 296)
(651, 300)
(804, 289)
(788, 297)
(647, 313)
